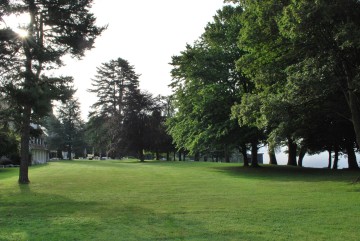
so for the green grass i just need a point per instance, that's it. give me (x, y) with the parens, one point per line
(128, 200)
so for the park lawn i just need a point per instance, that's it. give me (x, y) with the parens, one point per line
(128, 200)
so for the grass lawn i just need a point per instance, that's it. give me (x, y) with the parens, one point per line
(128, 200)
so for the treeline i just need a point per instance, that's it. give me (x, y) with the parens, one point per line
(281, 73)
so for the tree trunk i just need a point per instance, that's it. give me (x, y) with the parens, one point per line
(167, 156)
(174, 155)
(301, 156)
(25, 138)
(243, 151)
(254, 152)
(336, 159)
(184, 156)
(329, 165)
(141, 155)
(272, 156)
(291, 152)
(353, 102)
(157, 154)
(352, 98)
(179, 154)
(227, 156)
(197, 157)
(353, 165)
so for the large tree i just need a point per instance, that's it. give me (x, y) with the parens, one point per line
(135, 134)
(206, 85)
(55, 28)
(113, 83)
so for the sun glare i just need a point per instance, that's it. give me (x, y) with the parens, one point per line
(21, 32)
(17, 23)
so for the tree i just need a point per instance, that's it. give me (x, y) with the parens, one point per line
(72, 127)
(206, 85)
(114, 82)
(135, 133)
(55, 29)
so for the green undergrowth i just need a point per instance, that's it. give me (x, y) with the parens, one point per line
(129, 200)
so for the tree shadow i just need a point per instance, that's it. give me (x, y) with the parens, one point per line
(288, 173)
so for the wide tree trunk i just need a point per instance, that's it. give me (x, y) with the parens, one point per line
(157, 155)
(24, 146)
(291, 152)
(353, 165)
(197, 157)
(254, 152)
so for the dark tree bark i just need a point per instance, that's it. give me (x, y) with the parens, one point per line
(301, 156)
(141, 155)
(167, 156)
(291, 153)
(243, 151)
(197, 156)
(272, 156)
(179, 155)
(353, 165)
(254, 152)
(25, 137)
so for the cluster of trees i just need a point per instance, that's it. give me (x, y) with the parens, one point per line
(126, 121)
(281, 73)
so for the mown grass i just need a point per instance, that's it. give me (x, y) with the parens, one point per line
(128, 200)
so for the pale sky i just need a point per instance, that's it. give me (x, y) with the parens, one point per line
(146, 33)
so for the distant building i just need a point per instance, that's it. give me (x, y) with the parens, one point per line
(38, 147)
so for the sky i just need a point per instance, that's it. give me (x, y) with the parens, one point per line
(146, 34)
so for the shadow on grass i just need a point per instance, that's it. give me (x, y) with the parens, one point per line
(288, 173)
(40, 216)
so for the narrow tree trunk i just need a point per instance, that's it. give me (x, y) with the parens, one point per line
(227, 156)
(167, 156)
(353, 102)
(272, 156)
(25, 138)
(336, 158)
(330, 159)
(179, 155)
(141, 155)
(353, 165)
(184, 156)
(254, 152)
(291, 152)
(243, 151)
(301, 156)
(174, 155)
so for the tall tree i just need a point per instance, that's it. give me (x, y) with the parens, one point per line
(113, 83)
(206, 85)
(72, 126)
(54, 30)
